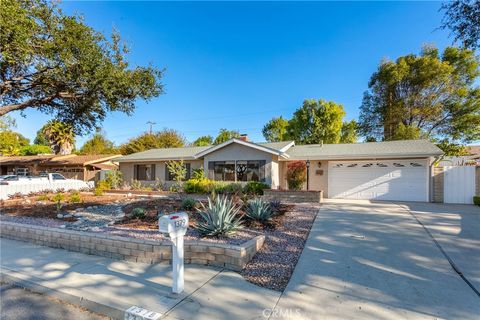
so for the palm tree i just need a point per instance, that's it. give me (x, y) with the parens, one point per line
(60, 135)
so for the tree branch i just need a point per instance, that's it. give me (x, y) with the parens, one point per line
(24, 105)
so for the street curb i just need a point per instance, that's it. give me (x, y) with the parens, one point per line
(14, 277)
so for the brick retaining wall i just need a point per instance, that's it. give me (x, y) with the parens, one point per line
(293, 196)
(233, 257)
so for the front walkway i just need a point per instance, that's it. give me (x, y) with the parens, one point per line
(109, 286)
(367, 260)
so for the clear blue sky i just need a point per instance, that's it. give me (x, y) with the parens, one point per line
(237, 65)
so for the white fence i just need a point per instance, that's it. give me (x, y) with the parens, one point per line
(459, 184)
(26, 187)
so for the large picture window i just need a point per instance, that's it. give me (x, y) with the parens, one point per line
(251, 170)
(144, 172)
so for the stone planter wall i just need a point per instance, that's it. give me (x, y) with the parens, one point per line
(293, 196)
(233, 257)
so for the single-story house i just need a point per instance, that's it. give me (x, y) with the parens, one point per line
(393, 170)
(72, 166)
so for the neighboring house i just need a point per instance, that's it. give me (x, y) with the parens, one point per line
(394, 170)
(71, 166)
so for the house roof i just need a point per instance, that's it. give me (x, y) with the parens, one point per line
(51, 159)
(81, 159)
(186, 153)
(473, 150)
(265, 147)
(288, 150)
(385, 149)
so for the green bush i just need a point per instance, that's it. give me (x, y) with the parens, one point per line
(255, 187)
(202, 185)
(257, 209)
(75, 197)
(138, 213)
(58, 197)
(98, 191)
(43, 197)
(114, 179)
(189, 203)
(476, 200)
(233, 188)
(219, 218)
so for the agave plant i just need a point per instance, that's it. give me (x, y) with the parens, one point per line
(220, 217)
(257, 209)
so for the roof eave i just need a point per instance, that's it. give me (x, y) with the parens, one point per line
(366, 156)
(241, 142)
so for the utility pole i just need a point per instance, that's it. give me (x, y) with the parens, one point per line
(151, 125)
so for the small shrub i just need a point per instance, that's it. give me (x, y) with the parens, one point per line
(201, 185)
(104, 185)
(98, 192)
(476, 200)
(43, 197)
(219, 187)
(175, 188)
(276, 206)
(16, 195)
(138, 213)
(114, 179)
(296, 174)
(189, 203)
(136, 185)
(198, 174)
(233, 188)
(255, 187)
(75, 197)
(257, 209)
(58, 197)
(158, 185)
(219, 217)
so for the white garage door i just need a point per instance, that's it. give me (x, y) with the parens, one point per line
(403, 180)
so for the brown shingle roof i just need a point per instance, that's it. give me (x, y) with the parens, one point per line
(55, 160)
(25, 159)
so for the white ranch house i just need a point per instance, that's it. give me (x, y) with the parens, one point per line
(393, 170)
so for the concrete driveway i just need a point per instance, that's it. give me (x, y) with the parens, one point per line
(368, 260)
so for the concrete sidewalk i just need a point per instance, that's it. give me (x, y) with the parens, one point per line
(109, 286)
(367, 260)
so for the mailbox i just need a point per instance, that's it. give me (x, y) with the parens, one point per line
(175, 225)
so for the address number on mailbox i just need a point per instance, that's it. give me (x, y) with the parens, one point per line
(180, 223)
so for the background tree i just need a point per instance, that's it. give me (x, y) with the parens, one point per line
(225, 135)
(167, 138)
(59, 65)
(11, 142)
(41, 139)
(428, 96)
(98, 144)
(462, 17)
(275, 130)
(349, 132)
(203, 141)
(316, 121)
(34, 149)
(61, 136)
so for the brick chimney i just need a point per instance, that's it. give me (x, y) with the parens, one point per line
(244, 137)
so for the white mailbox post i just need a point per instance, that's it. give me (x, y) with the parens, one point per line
(175, 225)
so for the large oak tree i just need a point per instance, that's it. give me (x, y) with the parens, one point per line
(57, 64)
(431, 95)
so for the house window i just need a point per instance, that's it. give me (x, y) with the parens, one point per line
(170, 177)
(251, 170)
(144, 172)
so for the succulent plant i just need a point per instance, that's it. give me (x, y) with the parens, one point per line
(276, 205)
(138, 213)
(257, 209)
(219, 217)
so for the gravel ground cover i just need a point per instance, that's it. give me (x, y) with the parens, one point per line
(273, 265)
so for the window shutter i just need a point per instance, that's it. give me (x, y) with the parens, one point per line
(211, 167)
(262, 170)
(167, 173)
(153, 171)
(189, 167)
(135, 171)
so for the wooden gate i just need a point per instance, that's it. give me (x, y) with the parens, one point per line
(459, 184)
